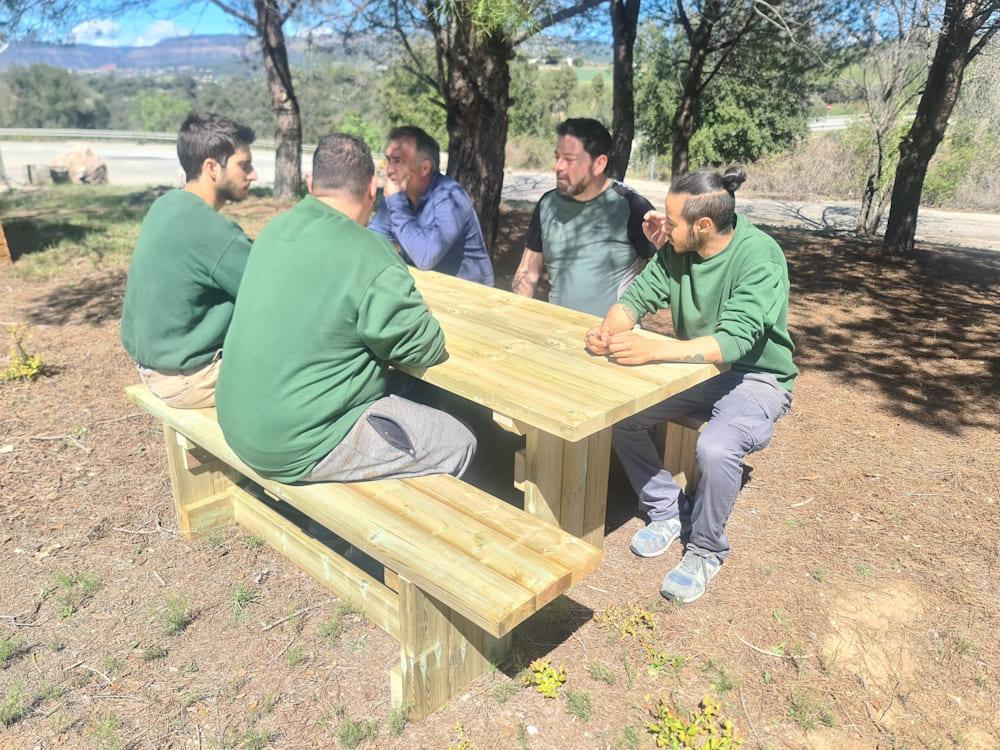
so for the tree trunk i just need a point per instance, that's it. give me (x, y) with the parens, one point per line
(686, 116)
(624, 22)
(872, 203)
(944, 81)
(477, 97)
(284, 104)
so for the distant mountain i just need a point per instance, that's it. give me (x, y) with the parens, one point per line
(227, 53)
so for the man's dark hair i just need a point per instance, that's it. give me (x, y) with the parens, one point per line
(592, 134)
(342, 163)
(713, 195)
(426, 146)
(209, 136)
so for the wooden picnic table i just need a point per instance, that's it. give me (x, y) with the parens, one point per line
(525, 360)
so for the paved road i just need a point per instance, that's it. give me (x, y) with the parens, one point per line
(156, 163)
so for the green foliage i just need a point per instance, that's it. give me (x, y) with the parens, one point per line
(578, 703)
(741, 117)
(546, 679)
(158, 111)
(808, 712)
(10, 647)
(242, 598)
(951, 164)
(74, 590)
(627, 622)
(601, 673)
(399, 716)
(46, 97)
(153, 653)
(704, 729)
(351, 732)
(662, 661)
(333, 626)
(407, 99)
(175, 615)
(295, 656)
(719, 676)
(105, 731)
(23, 366)
(14, 705)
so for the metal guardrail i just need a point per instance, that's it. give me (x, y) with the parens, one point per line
(113, 135)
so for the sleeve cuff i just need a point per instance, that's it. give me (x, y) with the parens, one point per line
(638, 311)
(729, 346)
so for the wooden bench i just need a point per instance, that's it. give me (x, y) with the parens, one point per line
(462, 568)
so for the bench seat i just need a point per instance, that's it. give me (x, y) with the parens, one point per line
(462, 568)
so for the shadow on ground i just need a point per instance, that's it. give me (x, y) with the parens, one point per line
(92, 301)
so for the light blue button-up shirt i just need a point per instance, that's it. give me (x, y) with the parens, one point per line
(441, 233)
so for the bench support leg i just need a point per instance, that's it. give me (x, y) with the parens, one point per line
(678, 443)
(567, 483)
(202, 497)
(441, 652)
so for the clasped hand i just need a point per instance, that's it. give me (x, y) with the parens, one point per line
(626, 348)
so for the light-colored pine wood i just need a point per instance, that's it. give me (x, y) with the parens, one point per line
(680, 439)
(190, 487)
(596, 498)
(519, 469)
(508, 424)
(525, 359)
(440, 651)
(6, 258)
(446, 549)
(347, 581)
(543, 476)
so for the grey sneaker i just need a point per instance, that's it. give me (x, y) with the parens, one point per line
(690, 578)
(654, 538)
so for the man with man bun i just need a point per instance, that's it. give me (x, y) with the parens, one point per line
(726, 284)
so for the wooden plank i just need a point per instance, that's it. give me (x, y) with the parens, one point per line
(5, 255)
(462, 531)
(573, 492)
(189, 487)
(596, 498)
(543, 476)
(440, 651)
(330, 570)
(679, 456)
(544, 538)
(485, 597)
(508, 424)
(519, 469)
(506, 353)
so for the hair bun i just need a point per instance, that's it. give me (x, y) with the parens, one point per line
(732, 178)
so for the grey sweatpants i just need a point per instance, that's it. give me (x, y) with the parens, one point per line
(395, 437)
(741, 409)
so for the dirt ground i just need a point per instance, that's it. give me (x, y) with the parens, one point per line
(858, 609)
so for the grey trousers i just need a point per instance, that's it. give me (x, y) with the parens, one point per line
(396, 438)
(741, 409)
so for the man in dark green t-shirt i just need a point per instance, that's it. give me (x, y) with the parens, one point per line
(324, 308)
(587, 233)
(726, 284)
(187, 265)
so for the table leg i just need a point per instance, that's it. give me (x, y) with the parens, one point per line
(566, 483)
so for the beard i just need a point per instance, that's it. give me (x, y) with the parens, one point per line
(692, 242)
(570, 189)
(232, 191)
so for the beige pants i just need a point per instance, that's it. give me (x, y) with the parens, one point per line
(191, 388)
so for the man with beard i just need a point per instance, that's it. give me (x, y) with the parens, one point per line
(726, 284)
(587, 233)
(187, 265)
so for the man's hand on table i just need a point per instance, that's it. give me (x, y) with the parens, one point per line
(618, 319)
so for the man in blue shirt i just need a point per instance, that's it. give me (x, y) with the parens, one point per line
(427, 214)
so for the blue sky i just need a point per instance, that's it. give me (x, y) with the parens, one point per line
(161, 20)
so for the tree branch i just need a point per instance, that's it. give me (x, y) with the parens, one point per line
(559, 16)
(292, 7)
(981, 43)
(235, 12)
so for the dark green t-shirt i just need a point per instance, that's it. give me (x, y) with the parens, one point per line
(182, 283)
(739, 296)
(324, 307)
(592, 248)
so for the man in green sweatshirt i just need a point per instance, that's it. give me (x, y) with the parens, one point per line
(726, 284)
(187, 265)
(325, 307)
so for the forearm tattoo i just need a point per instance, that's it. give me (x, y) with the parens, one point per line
(629, 314)
(696, 358)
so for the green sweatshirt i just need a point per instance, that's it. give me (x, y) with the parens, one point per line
(182, 283)
(324, 307)
(739, 297)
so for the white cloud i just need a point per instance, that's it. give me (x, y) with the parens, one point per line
(158, 31)
(101, 31)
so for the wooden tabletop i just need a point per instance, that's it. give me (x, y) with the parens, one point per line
(525, 359)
